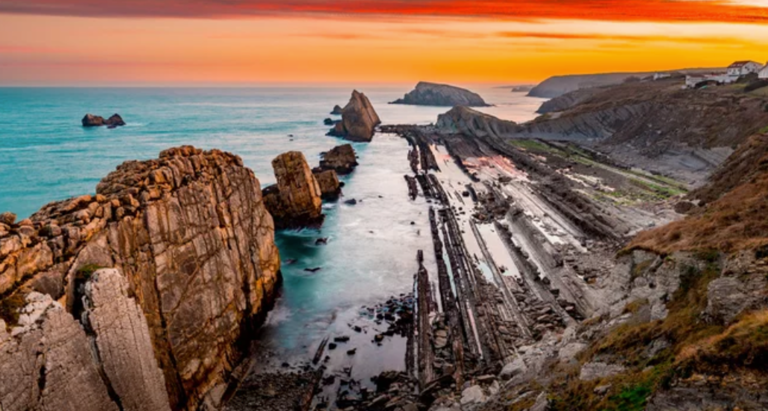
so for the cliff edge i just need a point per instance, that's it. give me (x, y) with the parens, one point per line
(432, 94)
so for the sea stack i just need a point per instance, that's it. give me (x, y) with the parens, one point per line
(91, 120)
(341, 159)
(138, 297)
(358, 120)
(295, 201)
(432, 94)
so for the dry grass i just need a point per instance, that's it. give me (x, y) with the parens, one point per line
(744, 343)
(736, 221)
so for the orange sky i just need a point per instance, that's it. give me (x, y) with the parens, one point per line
(74, 42)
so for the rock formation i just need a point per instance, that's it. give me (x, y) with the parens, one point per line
(295, 201)
(474, 123)
(96, 121)
(192, 268)
(329, 183)
(358, 120)
(341, 159)
(431, 94)
(337, 110)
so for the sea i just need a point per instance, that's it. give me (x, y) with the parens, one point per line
(46, 155)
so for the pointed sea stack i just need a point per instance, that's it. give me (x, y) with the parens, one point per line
(432, 94)
(358, 120)
(295, 201)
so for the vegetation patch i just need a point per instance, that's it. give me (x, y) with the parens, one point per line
(9, 308)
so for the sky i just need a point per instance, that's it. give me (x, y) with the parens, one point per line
(185, 42)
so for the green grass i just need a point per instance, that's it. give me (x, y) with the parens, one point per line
(764, 130)
(632, 398)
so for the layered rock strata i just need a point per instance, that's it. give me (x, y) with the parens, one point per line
(474, 123)
(432, 94)
(296, 200)
(197, 268)
(358, 120)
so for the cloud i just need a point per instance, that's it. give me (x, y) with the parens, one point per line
(732, 11)
(624, 38)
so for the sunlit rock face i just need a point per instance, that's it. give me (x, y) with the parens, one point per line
(193, 267)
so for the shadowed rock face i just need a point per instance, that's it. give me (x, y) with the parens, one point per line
(431, 94)
(295, 201)
(195, 267)
(341, 158)
(358, 120)
(329, 183)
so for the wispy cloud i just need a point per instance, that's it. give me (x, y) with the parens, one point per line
(625, 38)
(734, 11)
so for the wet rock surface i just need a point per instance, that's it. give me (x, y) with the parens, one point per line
(432, 94)
(190, 236)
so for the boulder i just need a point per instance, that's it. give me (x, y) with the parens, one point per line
(472, 395)
(329, 183)
(8, 218)
(341, 159)
(358, 120)
(115, 121)
(92, 121)
(726, 299)
(296, 200)
(513, 369)
(598, 370)
(432, 94)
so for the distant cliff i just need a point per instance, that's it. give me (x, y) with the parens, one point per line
(138, 297)
(474, 123)
(432, 94)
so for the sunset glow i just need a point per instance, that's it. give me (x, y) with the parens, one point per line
(73, 42)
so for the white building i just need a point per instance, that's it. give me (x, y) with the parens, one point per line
(659, 76)
(742, 68)
(763, 73)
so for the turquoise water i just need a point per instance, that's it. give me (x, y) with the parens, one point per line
(45, 155)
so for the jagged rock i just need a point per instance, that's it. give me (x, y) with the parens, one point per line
(295, 201)
(337, 110)
(725, 300)
(91, 120)
(358, 119)
(432, 94)
(474, 123)
(329, 184)
(342, 159)
(191, 234)
(596, 370)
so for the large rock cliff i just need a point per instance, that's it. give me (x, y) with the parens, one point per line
(358, 119)
(193, 266)
(295, 201)
(432, 94)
